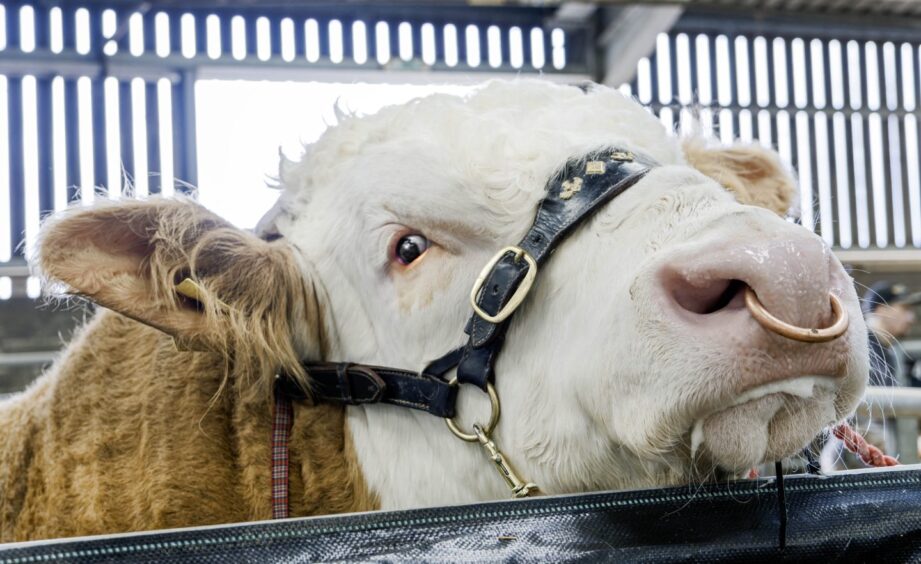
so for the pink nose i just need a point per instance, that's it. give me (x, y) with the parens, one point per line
(792, 276)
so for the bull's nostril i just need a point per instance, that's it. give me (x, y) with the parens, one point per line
(709, 298)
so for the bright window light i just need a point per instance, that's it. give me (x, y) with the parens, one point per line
(558, 40)
(56, 33)
(723, 84)
(382, 42)
(335, 41)
(818, 73)
(836, 73)
(878, 176)
(704, 90)
(30, 158)
(264, 39)
(538, 58)
(288, 42)
(161, 30)
(683, 63)
(136, 34)
(405, 35)
(472, 40)
(908, 77)
(743, 73)
(109, 24)
(890, 76)
(312, 39)
(237, 156)
(238, 44)
(215, 41)
(428, 44)
(781, 97)
(2, 27)
(762, 88)
(27, 29)
(854, 74)
(360, 42)
(450, 39)
(494, 46)
(644, 81)
(663, 69)
(187, 31)
(872, 77)
(82, 21)
(515, 47)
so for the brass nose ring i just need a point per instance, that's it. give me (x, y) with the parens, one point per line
(804, 334)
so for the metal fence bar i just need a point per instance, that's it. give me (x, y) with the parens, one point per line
(17, 193)
(126, 136)
(72, 139)
(891, 401)
(152, 113)
(185, 165)
(833, 122)
(844, 197)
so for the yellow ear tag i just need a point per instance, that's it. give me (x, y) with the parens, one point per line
(193, 290)
(190, 289)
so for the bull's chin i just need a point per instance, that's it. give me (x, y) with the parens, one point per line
(764, 424)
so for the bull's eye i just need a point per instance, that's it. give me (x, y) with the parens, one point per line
(410, 247)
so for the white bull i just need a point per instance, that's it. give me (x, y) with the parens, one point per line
(633, 362)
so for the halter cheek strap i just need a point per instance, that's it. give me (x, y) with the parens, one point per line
(573, 195)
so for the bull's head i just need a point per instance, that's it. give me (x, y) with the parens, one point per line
(633, 361)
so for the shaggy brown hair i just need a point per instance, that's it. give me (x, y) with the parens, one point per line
(127, 432)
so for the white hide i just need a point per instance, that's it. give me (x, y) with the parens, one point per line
(601, 383)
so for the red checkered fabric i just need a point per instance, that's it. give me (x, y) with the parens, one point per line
(281, 428)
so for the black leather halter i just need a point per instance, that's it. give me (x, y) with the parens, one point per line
(573, 195)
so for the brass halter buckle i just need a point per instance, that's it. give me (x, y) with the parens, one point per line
(480, 434)
(520, 293)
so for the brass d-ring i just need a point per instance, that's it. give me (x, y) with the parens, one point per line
(804, 334)
(493, 417)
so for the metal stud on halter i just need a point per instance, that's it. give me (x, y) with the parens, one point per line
(804, 334)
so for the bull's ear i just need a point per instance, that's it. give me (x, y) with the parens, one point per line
(752, 173)
(174, 265)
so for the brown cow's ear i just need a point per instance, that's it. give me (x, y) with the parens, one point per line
(130, 256)
(752, 173)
